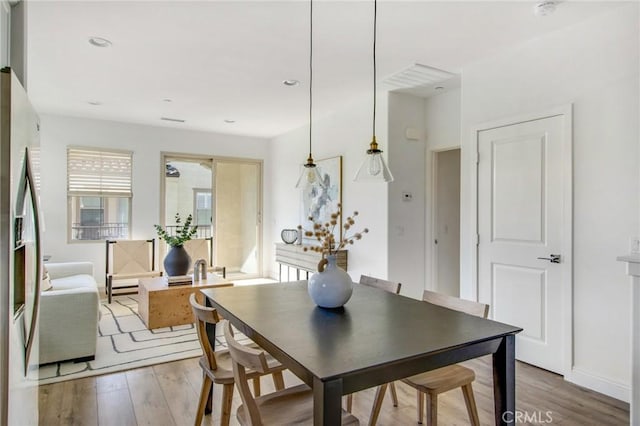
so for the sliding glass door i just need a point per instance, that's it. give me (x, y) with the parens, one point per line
(237, 216)
(225, 200)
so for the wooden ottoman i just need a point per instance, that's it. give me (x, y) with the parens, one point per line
(161, 305)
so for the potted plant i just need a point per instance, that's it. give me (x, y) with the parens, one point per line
(177, 260)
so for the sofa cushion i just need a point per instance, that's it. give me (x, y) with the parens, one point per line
(74, 281)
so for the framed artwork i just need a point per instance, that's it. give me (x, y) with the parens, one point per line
(320, 201)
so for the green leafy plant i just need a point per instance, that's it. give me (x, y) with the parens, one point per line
(183, 232)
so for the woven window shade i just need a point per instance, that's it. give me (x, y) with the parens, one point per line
(98, 173)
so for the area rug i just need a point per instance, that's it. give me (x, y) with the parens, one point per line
(125, 343)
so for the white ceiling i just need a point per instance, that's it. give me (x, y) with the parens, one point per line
(220, 60)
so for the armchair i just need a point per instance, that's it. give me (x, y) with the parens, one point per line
(202, 248)
(128, 260)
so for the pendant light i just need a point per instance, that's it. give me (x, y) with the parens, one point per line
(310, 175)
(373, 167)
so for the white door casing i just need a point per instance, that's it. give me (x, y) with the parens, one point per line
(523, 202)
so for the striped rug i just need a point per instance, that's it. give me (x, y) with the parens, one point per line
(125, 343)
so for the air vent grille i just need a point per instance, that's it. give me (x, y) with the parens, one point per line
(417, 76)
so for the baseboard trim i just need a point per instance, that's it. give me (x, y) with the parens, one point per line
(612, 388)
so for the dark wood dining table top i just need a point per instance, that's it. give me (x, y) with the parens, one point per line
(374, 328)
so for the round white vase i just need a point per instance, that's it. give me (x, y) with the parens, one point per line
(331, 287)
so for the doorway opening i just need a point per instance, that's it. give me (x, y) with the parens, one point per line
(445, 229)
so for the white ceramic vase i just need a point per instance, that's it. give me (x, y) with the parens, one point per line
(331, 286)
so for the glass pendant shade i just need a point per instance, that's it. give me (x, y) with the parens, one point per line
(374, 168)
(310, 175)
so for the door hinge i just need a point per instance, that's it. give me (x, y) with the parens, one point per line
(477, 157)
(477, 239)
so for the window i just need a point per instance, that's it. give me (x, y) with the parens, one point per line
(202, 206)
(99, 193)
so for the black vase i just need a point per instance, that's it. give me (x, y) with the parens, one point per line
(177, 261)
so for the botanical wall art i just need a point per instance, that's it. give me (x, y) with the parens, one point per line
(322, 199)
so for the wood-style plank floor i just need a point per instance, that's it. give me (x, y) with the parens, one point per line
(167, 394)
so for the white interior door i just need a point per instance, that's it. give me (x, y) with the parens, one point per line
(520, 222)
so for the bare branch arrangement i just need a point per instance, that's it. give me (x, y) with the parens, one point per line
(324, 233)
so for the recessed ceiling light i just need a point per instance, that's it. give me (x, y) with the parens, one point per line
(99, 42)
(175, 120)
(229, 121)
(439, 88)
(94, 103)
(291, 82)
(167, 100)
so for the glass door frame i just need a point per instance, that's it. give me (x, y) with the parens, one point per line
(214, 160)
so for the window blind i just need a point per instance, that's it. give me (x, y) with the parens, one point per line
(104, 173)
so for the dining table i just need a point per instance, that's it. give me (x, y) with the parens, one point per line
(375, 338)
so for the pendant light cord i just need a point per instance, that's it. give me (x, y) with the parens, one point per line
(310, 69)
(375, 24)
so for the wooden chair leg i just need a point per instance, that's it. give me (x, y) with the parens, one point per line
(432, 410)
(256, 387)
(421, 398)
(209, 408)
(227, 400)
(278, 380)
(349, 402)
(470, 401)
(204, 396)
(377, 403)
(394, 394)
(109, 289)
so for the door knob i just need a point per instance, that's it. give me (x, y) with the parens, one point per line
(555, 258)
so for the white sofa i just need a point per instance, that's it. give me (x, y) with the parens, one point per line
(69, 313)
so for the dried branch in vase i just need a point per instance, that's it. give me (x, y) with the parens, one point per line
(324, 233)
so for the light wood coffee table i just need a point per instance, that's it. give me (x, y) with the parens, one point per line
(160, 305)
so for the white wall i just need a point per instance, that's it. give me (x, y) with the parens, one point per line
(407, 218)
(594, 65)
(147, 142)
(442, 123)
(346, 133)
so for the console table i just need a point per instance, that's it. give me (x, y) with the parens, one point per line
(294, 256)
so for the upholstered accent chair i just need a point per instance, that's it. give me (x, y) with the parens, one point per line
(126, 262)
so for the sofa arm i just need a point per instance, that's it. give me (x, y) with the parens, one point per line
(68, 324)
(65, 269)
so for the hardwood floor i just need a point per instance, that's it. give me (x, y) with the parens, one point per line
(167, 394)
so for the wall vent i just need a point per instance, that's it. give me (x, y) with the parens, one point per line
(420, 80)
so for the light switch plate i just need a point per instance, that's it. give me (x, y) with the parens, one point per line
(634, 245)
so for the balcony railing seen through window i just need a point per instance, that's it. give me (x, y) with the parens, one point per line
(106, 231)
